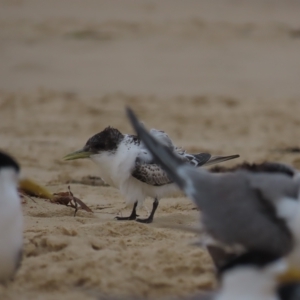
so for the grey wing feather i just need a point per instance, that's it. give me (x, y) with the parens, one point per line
(202, 159)
(151, 174)
(197, 160)
(217, 159)
(253, 221)
(144, 155)
(232, 211)
(162, 137)
(275, 187)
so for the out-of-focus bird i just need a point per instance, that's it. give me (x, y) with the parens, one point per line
(257, 211)
(11, 219)
(127, 165)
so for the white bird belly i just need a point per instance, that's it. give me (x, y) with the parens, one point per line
(134, 190)
(116, 169)
(11, 240)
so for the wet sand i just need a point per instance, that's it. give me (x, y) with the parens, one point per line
(221, 78)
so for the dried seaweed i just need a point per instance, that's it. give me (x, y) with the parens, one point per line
(29, 188)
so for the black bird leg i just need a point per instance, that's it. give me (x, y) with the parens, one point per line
(150, 218)
(132, 216)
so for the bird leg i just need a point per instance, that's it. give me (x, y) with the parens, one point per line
(132, 216)
(150, 218)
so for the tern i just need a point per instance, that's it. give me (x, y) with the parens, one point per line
(11, 219)
(127, 165)
(258, 211)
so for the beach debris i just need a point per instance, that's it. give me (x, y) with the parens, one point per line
(28, 188)
(68, 199)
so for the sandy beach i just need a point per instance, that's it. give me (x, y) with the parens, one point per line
(217, 77)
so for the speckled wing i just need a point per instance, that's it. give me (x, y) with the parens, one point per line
(151, 174)
(196, 160)
(144, 156)
(202, 159)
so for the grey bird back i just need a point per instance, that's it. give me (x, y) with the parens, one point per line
(236, 213)
(234, 210)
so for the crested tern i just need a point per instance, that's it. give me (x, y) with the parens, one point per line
(127, 165)
(258, 211)
(11, 219)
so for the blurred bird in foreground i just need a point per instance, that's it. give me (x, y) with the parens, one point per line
(11, 219)
(127, 165)
(258, 211)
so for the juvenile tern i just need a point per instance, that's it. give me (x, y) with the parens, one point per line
(11, 220)
(127, 165)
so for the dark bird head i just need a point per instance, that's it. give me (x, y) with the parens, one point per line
(7, 161)
(9, 171)
(256, 259)
(107, 140)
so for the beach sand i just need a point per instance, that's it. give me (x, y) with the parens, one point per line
(217, 77)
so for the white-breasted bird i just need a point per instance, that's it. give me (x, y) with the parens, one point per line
(127, 165)
(11, 219)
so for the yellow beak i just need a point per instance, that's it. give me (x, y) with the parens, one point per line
(78, 154)
(290, 275)
(32, 188)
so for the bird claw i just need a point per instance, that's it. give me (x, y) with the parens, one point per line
(145, 221)
(126, 218)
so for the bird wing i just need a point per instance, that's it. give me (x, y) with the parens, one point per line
(162, 137)
(196, 160)
(144, 155)
(145, 169)
(151, 174)
(205, 159)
